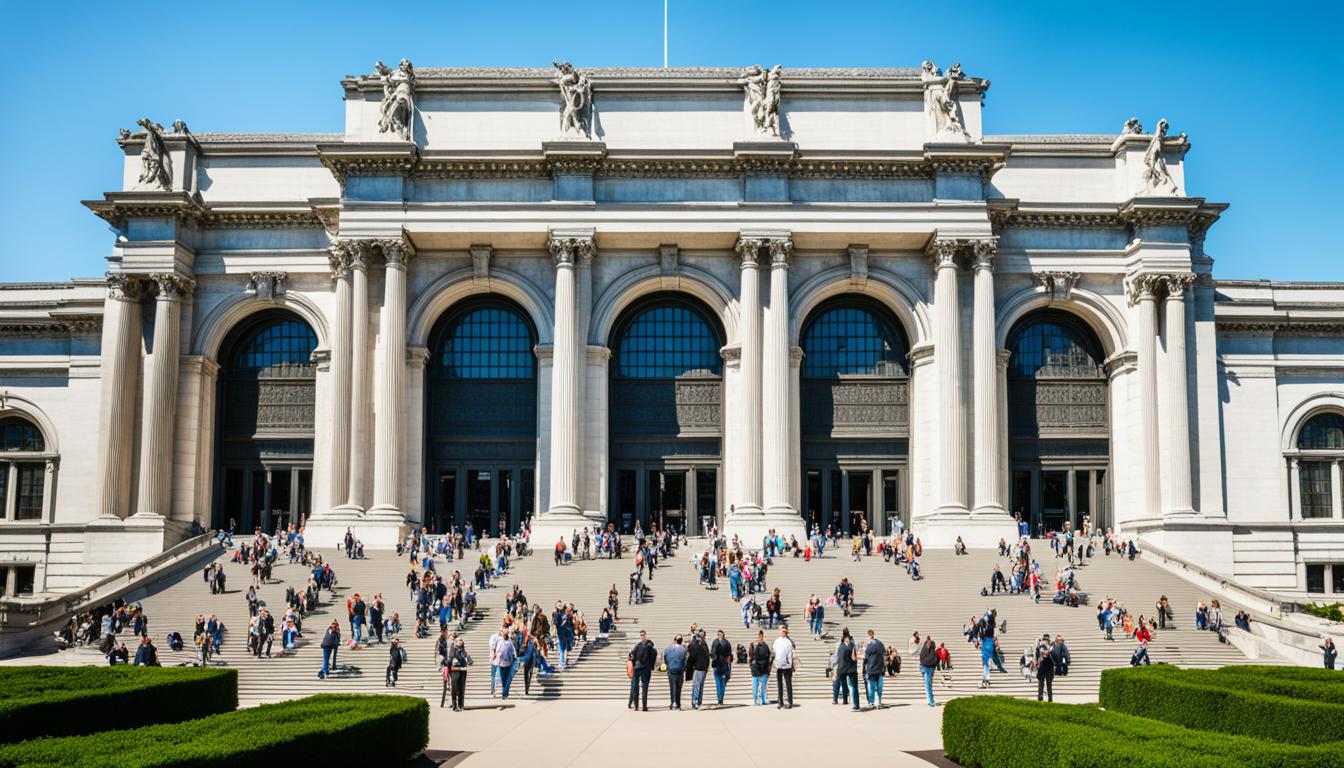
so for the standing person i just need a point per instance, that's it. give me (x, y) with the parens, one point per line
(784, 664)
(396, 656)
(507, 654)
(642, 659)
(331, 641)
(1060, 653)
(674, 658)
(721, 658)
(845, 666)
(1045, 673)
(874, 666)
(697, 663)
(928, 662)
(455, 667)
(759, 656)
(986, 657)
(495, 640)
(1329, 652)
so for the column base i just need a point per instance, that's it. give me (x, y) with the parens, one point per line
(939, 532)
(1181, 512)
(385, 512)
(146, 518)
(951, 510)
(752, 525)
(556, 525)
(327, 533)
(989, 511)
(340, 512)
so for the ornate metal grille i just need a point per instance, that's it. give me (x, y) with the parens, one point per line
(1056, 385)
(667, 372)
(270, 385)
(853, 372)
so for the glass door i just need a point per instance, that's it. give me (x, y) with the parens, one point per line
(667, 497)
(1054, 498)
(478, 501)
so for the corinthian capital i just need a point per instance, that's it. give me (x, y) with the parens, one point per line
(361, 252)
(565, 251)
(943, 252)
(338, 257)
(1178, 283)
(1142, 287)
(124, 287)
(780, 250)
(396, 251)
(983, 251)
(749, 249)
(172, 286)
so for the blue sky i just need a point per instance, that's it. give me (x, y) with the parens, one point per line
(1253, 85)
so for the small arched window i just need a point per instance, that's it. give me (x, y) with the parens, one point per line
(850, 338)
(1053, 346)
(19, 434)
(665, 340)
(27, 478)
(1322, 432)
(282, 342)
(491, 341)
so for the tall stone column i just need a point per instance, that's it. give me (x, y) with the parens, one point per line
(156, 434)
(988, 486)
(1182, 497)
(121, 335)
(339, 376)
(775, 392)
(564, 513)
(747, 506)
(389, 432)
(358, 496)
(583, 305)
(1141, 292)
(952, 405)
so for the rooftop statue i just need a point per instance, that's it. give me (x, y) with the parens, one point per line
(940, 102)
(1157, 178)
(397, 113)
(762, 88)
(1132, 127)
(156, 167)
(576, 94)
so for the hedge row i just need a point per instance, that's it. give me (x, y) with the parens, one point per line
(326, 729)
(71, 701)
(1308, 683)
(1002, 732)
(1176, 696)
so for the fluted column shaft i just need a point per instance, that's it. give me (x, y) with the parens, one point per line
(389, 431)
(951, 406)
(749, 335)
(564, 379)
(775, 385)
(121, 332)
(156, 441)
(359, 377)
(339, 377)
(988, 485)
(1142, 293)
(583, 297)
(1182, 495)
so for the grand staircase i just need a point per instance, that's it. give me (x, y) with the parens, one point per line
(888, 601)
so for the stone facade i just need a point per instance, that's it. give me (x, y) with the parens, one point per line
(453, 186)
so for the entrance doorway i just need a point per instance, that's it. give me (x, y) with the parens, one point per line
(492, 500)
(1050, 496)
(850, 500)
(680, 498)
(269, 497)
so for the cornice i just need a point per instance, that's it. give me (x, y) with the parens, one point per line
(1193, 213)
(119, 207)
(1284, 327)
(65, 326)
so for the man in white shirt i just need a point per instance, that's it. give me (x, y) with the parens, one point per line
(495, 640)
(784, 663)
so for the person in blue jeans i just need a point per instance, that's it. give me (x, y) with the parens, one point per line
(759, 657)
(508, 654)
(331, 641)
(928, 662)
(986, 658)
(721, 659)
(874, 667)
(844, 665)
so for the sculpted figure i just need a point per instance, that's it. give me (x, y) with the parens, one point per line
(762, 89)
(180, 126)
(1157, 178)
(940, 101)
(156, 167)
(397, 113)
(576, 96)
(1132, 127)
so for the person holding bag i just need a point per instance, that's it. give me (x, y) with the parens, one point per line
(721, 659)
(455, 672)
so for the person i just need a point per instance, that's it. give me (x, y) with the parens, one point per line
(455, 669)
(674, 658)
(1243, 621)
(721, 659)
(1140, 655)
(494, 642)
(1045, 673)
(331, 641)
(146, 655)
(928, 662)
(641, 661)
(506, 655)
(784, 666)
(986, 657)
(874, 667)
(759, 655)
(697, 664)
(396, 656)
(844, 665)
(1164, 612)
(1060, 653)
(1328, 653)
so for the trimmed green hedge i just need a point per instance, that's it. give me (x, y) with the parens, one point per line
(1001, 732)
(327, 729)
(1232, 703)
(1308, 683)
(71, 701)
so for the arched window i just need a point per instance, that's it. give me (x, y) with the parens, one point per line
(488, 342)
(279, 343)
(1321, 440)
(665, 340)
(1053, 346)
(20, 440)
(852, 338)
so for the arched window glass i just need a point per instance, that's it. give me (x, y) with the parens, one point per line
(1053, 347)
(489, 342)
(281, 342)
(851, 339)
(667, 340)
(1322, 432)
(19, 434)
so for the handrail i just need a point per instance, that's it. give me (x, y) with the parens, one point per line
(43, 610)
(1278, 601)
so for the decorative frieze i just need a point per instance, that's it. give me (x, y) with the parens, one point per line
(267, 286)
(173, 286)
(1058, 284)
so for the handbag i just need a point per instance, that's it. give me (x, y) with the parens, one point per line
(629, 668)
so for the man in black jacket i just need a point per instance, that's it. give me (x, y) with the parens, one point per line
(331, 641)
(845, 667)
(697, 665)
(1045, 673)
(721, 659)
(874, 666)
(1059, 652)
(643, 657)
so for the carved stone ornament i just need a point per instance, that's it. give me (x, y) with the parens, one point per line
(1156, 176)
(480, 261)
(396, 115)
(180, 126)
(565, 251)
(338, 257)
(1177, 284)
(749, 249)
(1132, 127)
(576, 100)
(940, 103)
(1142, 287)
(780, 250)
(1057, 284)
(172, 286)
(944, 251)
(156, 167)
(124, 287)
(762, 89)
(983, 253)
(268, 286)
(395, 250)
(668, 258)
(858, 263)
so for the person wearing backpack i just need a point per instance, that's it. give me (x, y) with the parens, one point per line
(844, 664)
(928, 662)
(721, 659)
(759, 658)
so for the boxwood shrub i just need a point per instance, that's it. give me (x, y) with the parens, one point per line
(69, 701)
(1002, 732)
(1310, 683)
(327, 729)
(1229, 703)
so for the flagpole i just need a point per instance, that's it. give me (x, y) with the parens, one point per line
(664, 34)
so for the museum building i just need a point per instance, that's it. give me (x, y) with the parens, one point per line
(757, 299)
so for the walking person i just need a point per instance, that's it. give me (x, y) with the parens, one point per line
(785, 662)
(1328, 653)
(507, 654)
(396, 656)
(1045, 673)
(455, 667)
(845, 667)
(331, 641)
(721, 659)
(640, 663)
(759, 656)
(928, 662)
(697, 664)
(674, 658)
(874, 667)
